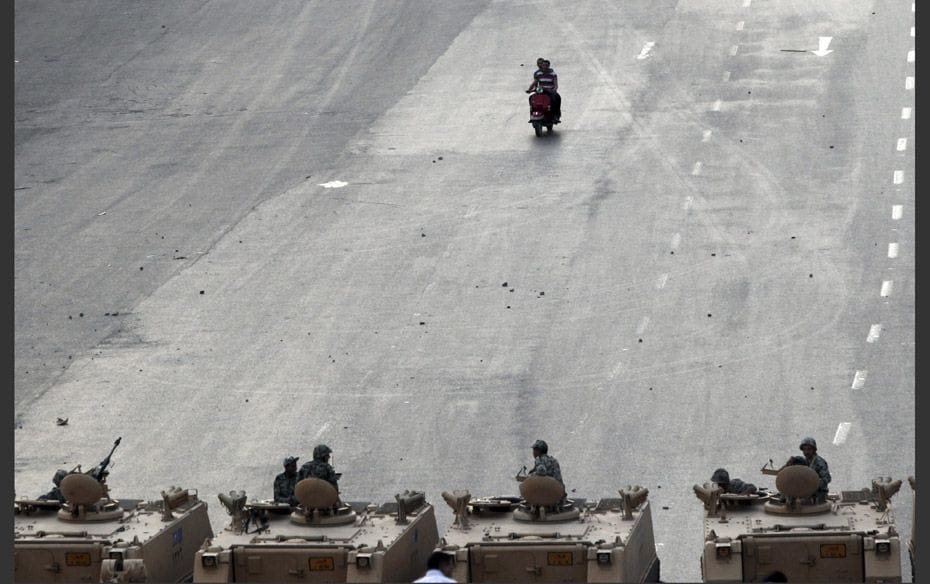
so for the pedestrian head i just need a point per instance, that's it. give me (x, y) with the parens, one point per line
(290, 463)
(808, 446)
(321, 452)
(541, 447)
(441, 561)
(720, 476)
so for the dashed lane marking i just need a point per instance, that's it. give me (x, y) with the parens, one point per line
(902, 144)
(706, 136)
(887, 287)
(874, 332)
(897, 211)
(660, 283)
(696, 170)
(910, 56)
(908, 83)
(726, 75)
(645, 51)
(740, 25)
(898, 177)
(892, 250)
(905, 113)
(842, 431)
(746, 3)
(859, 379)
(912, 31)
(717, 105)
(689, 200)
(733, 50)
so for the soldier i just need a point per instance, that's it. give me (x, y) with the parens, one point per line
(734, 487)
(816, 462)
(543, 464)
(285, 482)
(55, 493)
(319, 467)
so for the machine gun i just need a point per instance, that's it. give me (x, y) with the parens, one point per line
(99, 472)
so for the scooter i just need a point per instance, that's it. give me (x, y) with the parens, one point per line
(541, 111)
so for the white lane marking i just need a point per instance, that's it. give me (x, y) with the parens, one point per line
(746, 3)
(910, 56)
(660, 283)
(334, 184)
(859, 379)
(726, 75)
(642, 325)
(676, 241)
(822, 44)
(897, 211)
(842, 431)
(696, 170)
(689, 200)
(717, 105)
(874, 332)
(912, 6)
(646, 48)
(902, 144)
(706, 136)
(892, 250)
(912, 31)
(905, 113)
(733, 50)
(323, 429)
(898, 177)
(740, 25)
(908, 83)
(887, 287)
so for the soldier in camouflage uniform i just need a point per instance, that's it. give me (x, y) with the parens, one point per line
(543, 464)
(816, 462)
(319, 467)
(55, 493)
(285, 482)
(735, 486)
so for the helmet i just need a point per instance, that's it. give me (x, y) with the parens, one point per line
(720, 476)
(320, 451)
(541, 445)
(291, 460)
(59, 474)
(810, 442)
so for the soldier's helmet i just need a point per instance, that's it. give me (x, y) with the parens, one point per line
(320, 451)
(720, 476)
(808, 441)
(541, 446)
(59, 474)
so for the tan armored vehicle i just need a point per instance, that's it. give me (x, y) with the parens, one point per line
(544, 537)
(92, 538)
(320, 540)
(789, 537)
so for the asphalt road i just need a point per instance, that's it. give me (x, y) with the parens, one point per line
(245, 228)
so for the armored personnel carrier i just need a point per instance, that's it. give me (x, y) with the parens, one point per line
(790, 537)
(90, 537)
(542, 536)
(320, 540)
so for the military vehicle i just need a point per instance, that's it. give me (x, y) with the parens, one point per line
(788, 536)
(90, 537)
(542, 536)
(320, 540)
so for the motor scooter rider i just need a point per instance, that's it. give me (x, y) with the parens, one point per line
(546, 79)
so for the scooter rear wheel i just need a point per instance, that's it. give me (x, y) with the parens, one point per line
(537, 127)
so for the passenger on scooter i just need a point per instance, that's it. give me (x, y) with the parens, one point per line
(546, 78)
